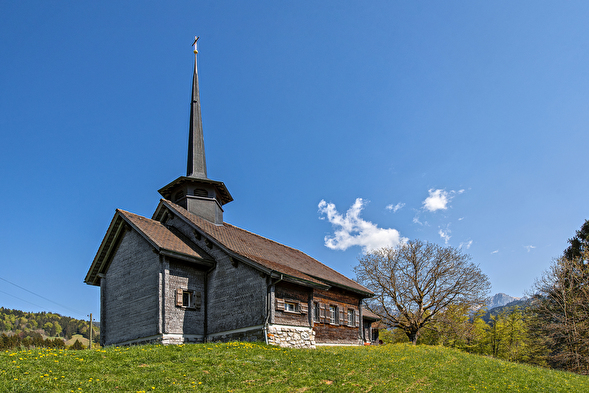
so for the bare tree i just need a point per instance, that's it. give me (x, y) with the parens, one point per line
(416, 281)
(561, 313)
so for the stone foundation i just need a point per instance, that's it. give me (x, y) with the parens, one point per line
(291, 336)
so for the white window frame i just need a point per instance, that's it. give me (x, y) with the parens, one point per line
(351, 317)
(333, 314)
(290, 307)
(188, 299)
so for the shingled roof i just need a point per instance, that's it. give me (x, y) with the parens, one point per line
(164, 240)
(266, 252)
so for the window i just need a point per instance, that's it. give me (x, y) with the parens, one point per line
(333, 314)
(351, 317)
(290, 307)
(187, 298)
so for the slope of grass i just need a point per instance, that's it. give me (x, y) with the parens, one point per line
(234, 367)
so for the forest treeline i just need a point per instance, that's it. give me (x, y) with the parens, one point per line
(41, 330)
(551, 328)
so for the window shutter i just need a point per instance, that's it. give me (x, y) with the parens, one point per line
(179, 293)
(304, 308)
(357, 316)
(344, 318)
(197, 299)
(280, 304)
(341, 315)
(322, 312)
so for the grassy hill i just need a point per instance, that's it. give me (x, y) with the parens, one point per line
(235, 367)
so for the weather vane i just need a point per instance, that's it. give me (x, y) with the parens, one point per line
(194, 43)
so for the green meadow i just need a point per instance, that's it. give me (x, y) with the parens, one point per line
(254, 367)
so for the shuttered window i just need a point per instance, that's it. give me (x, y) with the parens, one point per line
(304, 308)
(188, 299)
(351, 317)
(179, 293)
(333, 314)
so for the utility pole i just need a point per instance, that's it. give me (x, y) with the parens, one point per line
(91, 329)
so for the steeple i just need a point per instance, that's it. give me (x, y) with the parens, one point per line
(196, 192)
(197, 164)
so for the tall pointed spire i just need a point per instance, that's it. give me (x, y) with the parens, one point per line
(195, 192)
(196, 165)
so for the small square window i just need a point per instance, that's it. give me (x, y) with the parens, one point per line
(291, 307)
(188, 299)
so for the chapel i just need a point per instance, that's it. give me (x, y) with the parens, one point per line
(186, 275)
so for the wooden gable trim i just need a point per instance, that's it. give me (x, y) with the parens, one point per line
(105, 251)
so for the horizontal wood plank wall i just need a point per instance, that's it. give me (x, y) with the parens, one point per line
(340, 333)
(286, 292)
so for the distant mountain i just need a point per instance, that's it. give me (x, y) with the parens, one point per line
(500, 300)
(522, 304)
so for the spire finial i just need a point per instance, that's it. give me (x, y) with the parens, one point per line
(194, 44)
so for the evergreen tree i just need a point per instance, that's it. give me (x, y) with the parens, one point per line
(76, 345)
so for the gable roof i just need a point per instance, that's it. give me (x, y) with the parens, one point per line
(265, 252)
(164, 240)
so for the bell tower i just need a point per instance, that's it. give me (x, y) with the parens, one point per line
(196, 192)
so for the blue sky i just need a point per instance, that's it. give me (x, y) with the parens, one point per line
(336, 126)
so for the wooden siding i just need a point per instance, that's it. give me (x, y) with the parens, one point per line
(340, 332)
(129, 292)
(236, 295)
(179, 319)
(285, 292)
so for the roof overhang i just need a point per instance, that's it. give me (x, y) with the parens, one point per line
(117, 228)
(223, 193)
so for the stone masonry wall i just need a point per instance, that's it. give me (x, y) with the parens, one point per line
(129, 293)
(291, 336)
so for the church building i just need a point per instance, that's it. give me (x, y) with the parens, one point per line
(185, 275)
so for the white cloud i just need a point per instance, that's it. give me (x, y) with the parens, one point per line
(351, 230)
(466, 245)
(529, 248)
(439, 199)
(395, 208)
(445, 234)
(495, 252)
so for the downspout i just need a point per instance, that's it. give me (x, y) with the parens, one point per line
(205, 303)
(269, 304)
